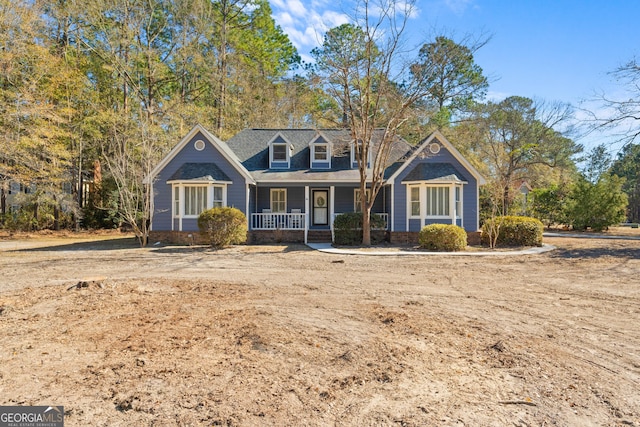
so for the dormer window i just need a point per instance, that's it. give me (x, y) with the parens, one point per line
(280, 152)
(320, 152)
(354, 154)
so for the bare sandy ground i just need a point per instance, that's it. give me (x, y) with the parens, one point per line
(283, 335)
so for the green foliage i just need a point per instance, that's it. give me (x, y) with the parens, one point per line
(627, 166)
(597, 206)
(348, 228)
(451, 76)
(513, 231)
(223, 226)
(443, 237)
(548, 205)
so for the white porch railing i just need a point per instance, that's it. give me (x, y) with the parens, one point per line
(277, 221)
(384, 216)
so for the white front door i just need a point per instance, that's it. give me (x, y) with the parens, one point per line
(320, 207)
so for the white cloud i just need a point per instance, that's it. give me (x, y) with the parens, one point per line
(306, 26)
(458, 6)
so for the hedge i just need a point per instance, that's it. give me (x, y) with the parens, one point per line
(442, 237)
(513, 231)
(223, 226)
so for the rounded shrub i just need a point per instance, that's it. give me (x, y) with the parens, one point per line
(223, 226)
(442, 237)
(347, 228)
(512, 231)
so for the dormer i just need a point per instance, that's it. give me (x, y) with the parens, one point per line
(320, 153)
(279, 153)
(354, 155)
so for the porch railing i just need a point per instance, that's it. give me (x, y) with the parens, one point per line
(277, 221)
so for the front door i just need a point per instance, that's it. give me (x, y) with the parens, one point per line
(320, 207)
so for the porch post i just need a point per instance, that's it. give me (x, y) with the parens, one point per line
(246, 206)
(332, 192)
(306, 212)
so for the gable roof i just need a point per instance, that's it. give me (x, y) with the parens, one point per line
(224, 149)
(454, 152)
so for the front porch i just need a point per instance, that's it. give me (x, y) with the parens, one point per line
(293, 227)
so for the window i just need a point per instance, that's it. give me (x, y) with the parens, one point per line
(357, 199)
(437, 201)
(218, 201)
(279, 152)
(415, 201)
(191, 200)
(356, 153)
(434, 200)
(278, 200)
(320, 153)
(176, 201)
(195, 200)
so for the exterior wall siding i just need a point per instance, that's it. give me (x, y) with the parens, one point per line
(236, 192)
(469, 195)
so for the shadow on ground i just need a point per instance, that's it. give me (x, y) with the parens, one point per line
(93, 245)
(593, 253)
(246, 250)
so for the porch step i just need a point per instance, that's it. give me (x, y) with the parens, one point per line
(319, 236)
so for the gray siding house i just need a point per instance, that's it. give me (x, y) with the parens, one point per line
(292, 183)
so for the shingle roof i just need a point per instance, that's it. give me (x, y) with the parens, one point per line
(250, 145)
(434, 172)
(199, 172)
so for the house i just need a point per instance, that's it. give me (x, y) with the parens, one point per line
(291, 184)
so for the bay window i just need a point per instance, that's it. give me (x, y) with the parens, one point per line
(189, 200)
(435, 201)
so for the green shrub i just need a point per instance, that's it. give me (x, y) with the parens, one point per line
(223, 226)
(348, 229)
(442, 237)
(513, 231)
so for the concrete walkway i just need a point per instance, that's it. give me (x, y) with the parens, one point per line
(326, 247)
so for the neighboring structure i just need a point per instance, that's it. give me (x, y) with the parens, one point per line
(291, 183)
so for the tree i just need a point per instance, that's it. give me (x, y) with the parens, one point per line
(367, 77)
(597, 206)
(452, 79)
(513, 136)
(598, 162)
(624, 111)
(345, 48)
(627, 166)
(548, 204)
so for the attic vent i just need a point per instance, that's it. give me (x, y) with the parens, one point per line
(434, 147)
(199, 145)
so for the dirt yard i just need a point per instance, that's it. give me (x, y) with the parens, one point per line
(284, 335)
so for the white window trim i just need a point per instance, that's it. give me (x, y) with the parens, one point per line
(354, 160)
(278, 139)
(181, 198)
(453, 216)
(312, 149)
(271, 191)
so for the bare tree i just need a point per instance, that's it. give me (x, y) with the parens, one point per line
(622, 113)
(366, 87)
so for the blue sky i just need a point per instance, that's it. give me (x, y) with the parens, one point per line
(557, 50)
